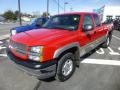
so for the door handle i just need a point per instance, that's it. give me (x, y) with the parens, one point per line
(94, 32)
(99, 30)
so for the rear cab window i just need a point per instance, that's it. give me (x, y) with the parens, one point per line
(97, 20)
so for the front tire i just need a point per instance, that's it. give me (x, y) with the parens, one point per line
(66, 67)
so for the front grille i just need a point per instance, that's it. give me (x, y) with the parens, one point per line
(18, 47)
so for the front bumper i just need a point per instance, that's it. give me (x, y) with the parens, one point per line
(37, 69)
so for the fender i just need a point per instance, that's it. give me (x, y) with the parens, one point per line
(59, 51)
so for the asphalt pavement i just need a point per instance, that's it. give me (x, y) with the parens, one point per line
(99, 70)
(5, 28)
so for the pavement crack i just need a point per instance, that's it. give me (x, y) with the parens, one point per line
(37, 85)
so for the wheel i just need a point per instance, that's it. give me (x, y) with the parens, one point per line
(119, 29)
(107, 42)
(66, 67)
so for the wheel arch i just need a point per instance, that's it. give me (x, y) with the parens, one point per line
(73, 47)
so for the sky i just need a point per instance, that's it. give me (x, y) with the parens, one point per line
(35, 6)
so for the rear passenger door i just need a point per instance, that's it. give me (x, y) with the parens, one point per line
(100, 35)
(98, 27)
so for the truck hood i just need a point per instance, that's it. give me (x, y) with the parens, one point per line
(41, 36)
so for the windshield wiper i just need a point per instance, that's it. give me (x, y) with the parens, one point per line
(46, 27)
(57, 27)
(62, 28)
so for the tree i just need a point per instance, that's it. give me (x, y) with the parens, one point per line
(45, 14)
(16, 13)
(9, 15)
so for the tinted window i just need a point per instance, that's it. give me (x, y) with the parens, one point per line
(97, 21)
(87, 20)
(39, 20)
(70, 22)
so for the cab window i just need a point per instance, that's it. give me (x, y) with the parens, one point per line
(87, 20)
(96, 19)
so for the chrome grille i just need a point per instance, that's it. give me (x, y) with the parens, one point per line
(18, 47)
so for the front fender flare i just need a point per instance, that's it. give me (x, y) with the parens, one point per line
(59, 51)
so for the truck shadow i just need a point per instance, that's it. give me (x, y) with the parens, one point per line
(37, 86)
(49, 79)
(89, 54)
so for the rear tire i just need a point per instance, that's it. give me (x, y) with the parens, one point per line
(107, 42)
(66, 67)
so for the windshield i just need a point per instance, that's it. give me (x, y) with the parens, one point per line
(33, 20)
(69, 22)
(36, 20)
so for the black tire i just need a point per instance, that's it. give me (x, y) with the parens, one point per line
(107, 42)
(61, 63)
(119, 29)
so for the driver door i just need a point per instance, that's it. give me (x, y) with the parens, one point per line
(87, 37)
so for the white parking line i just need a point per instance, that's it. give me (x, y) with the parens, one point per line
(116, 37)
(4, 36)
(102, 62)
(1, 42)
(112, 52)
(3, 55)
(118, 48)
(100, 51)
(2, 47)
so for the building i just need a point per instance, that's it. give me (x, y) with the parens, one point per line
(26, 19)
(2, 19)
(108, 12)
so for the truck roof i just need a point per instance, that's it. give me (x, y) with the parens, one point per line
(79, 13)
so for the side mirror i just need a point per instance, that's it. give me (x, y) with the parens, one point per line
(87, 27)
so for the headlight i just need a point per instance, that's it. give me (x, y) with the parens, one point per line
(35, 53)
(35, 49)
(13, 32)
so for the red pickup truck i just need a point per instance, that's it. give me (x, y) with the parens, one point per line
(56, 48)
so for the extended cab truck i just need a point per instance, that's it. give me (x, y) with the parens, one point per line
(56, 48)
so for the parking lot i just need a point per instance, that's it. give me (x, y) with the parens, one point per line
(99, 70)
